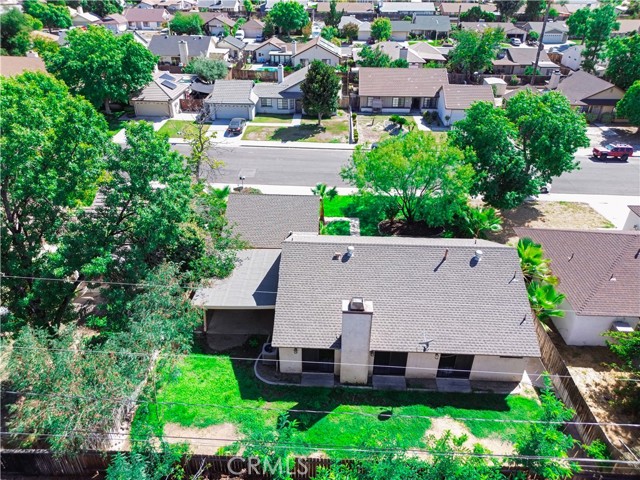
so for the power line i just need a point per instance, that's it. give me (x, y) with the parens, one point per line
(326, 412)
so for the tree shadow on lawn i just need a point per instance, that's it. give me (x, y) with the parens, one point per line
(374, 402)
(293, 134)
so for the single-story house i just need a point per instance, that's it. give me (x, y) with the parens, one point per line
(316, 49)
(572, 57)
(395, 9)
(161, 97)
(233, 45)
(510, 30)
(232, 99)
(454, 100)
(400, 90)
(80, 18)
(633, 220)
(599, 272)
(12, 66)
(591, 94)
(515, 60)
(221, 5)
(627, 27)
(514, 91)
(428, 53)
(364, 27)
(454, 9)
(556, 31)
(216, 24)
(395, 51)
(115, 22)
(361, 10)
(147, 4)
(180, 49)
(146, 18)
(177, 5)
(425, 26)
(566, 9)
(253, 28)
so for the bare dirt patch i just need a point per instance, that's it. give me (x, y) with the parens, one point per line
(374, 128)
(203, 441)
(440, 425)
(599, 137)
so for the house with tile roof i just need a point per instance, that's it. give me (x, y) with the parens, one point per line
(161, 97)
(395, 51)
(423, 26)
(11, 66)
(515, 60)
(147, 18)
(592, 95)
(455, 100)
(400, 90)
(599, 272)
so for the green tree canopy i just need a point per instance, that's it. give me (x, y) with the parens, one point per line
(577, 23)
(350, 31)
(45, 47)
(320, 90)
(248, 7)
(289, 15)
(334, 16)
(15, 27)
(329, 33)
(53, 149)
(416, 175)
(623, 54)
(52, 15)
(600, 24)
(187, 24)
(373, 57)
(208, 69)
(521, 148)
(381, 29)
(101, 66)
(475, 14)
(534, 10)
(508, 8)
(475, 51)
(102, 8)
(629, 106)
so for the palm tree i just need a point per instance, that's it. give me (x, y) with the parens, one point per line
(324, 192)
(545, 300)
(481, 220)
(535, 266)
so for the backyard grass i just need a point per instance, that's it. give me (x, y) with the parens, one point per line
(272, 118)
(338, 227)
(253, 407)
(175, 128)
(116, 122)
(334, 130)
(352, 206)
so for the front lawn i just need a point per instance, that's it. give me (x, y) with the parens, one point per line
(272, 118)
(207, 390)
(333, 130)
(375, 128)
(176, 128)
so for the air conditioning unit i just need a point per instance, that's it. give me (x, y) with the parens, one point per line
(269, 354)
(620, 326)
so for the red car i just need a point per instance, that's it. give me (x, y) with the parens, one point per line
(614, 150)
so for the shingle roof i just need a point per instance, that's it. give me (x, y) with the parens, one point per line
(581, 85)
(513, 91)
(508, 27)
(221, 17)
(635, 209)
(10, 66)
(551, 27)
(427, 52)
(253, 23)
(406, 82)
(279, 90)
(393, 50)
(114, 19)
(145, 14)
(320, 42)
(167, 45)
(265, 220)
(391, 7)
(438, 23)
(526, 56)
(460, 97)
(362, 26)
(159, 89)
(460, 305)
(348, 7)
(234, 42)
(627, 26)
(452, 8)
(599, 270)
(232, 92)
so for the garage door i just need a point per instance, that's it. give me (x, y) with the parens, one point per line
(552, 38)
(151, 109)
(226, 112)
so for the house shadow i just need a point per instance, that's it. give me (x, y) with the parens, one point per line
(296, 133)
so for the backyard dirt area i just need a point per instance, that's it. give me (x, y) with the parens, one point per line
(332, 130)
(596, 380)
(202, 441)
(440, 425)
(569, 215)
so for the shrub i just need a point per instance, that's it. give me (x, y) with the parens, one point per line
(340, 227)
(514, 80)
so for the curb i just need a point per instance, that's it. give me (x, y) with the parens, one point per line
(306, 146)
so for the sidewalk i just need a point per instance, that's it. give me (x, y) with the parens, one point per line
(308, 145)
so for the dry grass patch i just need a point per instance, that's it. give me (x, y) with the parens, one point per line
(203, 441)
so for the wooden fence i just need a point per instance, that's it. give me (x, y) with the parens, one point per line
(191, 104)
(459, 78)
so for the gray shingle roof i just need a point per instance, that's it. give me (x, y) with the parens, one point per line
(635, 209)
(551, 27)
(460, 97)
(427, 52)
(234, 42)
(438, 23)
(393, 50)
(404, 82)
(145, 15)
(392, 7)
(265, 220)
(587, 261)
(509, 28)
(463, 307)
(347, 7)
(453, 8)
(232, 92)
(167, 45)
(279, 90)
(158, 89)
(581, 85)
(526, 56)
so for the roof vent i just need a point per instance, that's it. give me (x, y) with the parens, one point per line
(478, 256)
(350, 250)
(356, 304)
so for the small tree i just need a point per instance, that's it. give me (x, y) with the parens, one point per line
(478, 221)
(381, 29)
(475, 14)
(373, 57)
(320, 90)
(187, 24)
(329, 33)
(535, 266)
(332, 19)
(545, 301)
(51, 15)
(533, 36)
(325, 193)
(289, 15)
(45, 47)
(350, 31)
(248, 7)
(201, 143)
(629, 106)
(15, 27)
(208, 69)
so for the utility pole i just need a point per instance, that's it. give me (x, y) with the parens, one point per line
(540, 44)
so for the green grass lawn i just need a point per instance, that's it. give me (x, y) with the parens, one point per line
(335, 130)
(272, 118)
(116, 122)
(339, 227)
(254, 407)
(175, 128)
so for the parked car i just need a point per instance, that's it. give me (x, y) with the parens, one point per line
(259, 39)
(614, 150)
(545, 188)
(236, 125)
(239, 34)
(516, 42)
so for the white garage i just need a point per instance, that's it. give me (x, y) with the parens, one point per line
(161, 98)
(232, 99)
(554, 37)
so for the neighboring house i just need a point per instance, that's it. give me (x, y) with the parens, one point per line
(233, 45)
(627, 27)
(232, 99)
(428, 53)
(395, 51)
(513, 91)
(364, 28)
(267, 5)
(253, 28)
(316, 49)
(177, 5)
(12, 66)
(401, 9)
(599, 273)
(566, 9)
(115, 22)
(572, 57)
(591, 94)
(400, 90)
(79, 18)
(161, 97)
(454, 100)
(217, 24)
(454, 9)
(515, 60)
(232, 6)
(556, 32)
(147, 4)
(180, 49)
(146, 18)
(510, 30)
(633, 220)
(360, 10)
(262, 52)
(424, 26)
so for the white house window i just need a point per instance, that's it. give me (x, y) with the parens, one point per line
(266, 102)
(369, 101)
(397, 102)
(283, 104)
(327, 61)
(429, 102)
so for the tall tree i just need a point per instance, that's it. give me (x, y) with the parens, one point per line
(325, 193)
(521, 148)
(475, 51)
(187, 24)
(476, 14)
(577, 23)
(534, 10)
(601, 22)
(320, 90)
(248, 7)
(508, 8)
(52, 15)
(425, 179)
(623, 54)
(102, 8)
(381, 29)
(334, 16)
(289, 15)
(15, 27)
(208, 69)
(101, 66)
(53, 148)
(629, 106)
(45, 47)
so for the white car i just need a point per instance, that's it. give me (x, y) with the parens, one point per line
(516, 42)
(240, 34)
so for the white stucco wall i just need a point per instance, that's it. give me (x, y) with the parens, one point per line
(290, 362)
(316, 53)
(422, 365)
(632, 220)
(497, 369)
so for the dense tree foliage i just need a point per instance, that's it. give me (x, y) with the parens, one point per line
(381, 29)
(476, 14)
(577, 23)
(534, 10)
(187, 24)
(623, 54)
(334, 16)
(375, 57)
(627, 348)
(45, 47)
(101, 66)
(51, 14)
(508, 8)
(475, 51)
(208, 69)
(15, 27)
(289, 15)
(350, 31)
(600, 24)
(629, 106)
(520, 148)
(102, 8)
(415, 175)
(320, 90)
(329, 33)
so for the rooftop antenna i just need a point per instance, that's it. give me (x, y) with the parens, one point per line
(446, 252)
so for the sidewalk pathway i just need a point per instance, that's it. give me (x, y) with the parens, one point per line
(314, 145)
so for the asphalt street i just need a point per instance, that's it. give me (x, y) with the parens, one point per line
(296, 166)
